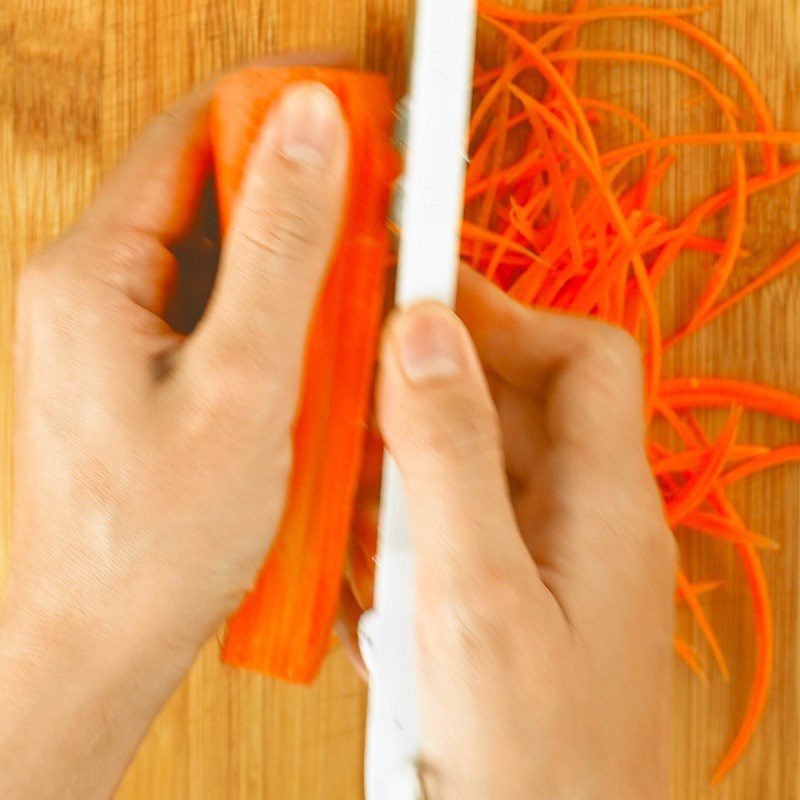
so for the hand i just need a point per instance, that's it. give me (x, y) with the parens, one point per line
(544, 566)
(151, 468)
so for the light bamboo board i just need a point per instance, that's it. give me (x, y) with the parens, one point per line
(79, 78)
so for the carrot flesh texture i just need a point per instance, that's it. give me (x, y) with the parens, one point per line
(284, 625)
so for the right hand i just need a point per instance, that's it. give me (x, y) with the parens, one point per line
(544, 566)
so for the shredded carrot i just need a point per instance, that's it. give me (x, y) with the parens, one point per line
(693, 436)
(721, 528)
(689, 460)
(700, 588)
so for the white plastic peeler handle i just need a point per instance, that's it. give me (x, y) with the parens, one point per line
(430, 222)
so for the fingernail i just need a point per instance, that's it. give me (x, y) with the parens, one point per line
(310, 114)
(429, 344)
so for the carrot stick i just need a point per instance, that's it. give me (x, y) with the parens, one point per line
(284, 625)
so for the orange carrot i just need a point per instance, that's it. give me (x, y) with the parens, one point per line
(284, 625)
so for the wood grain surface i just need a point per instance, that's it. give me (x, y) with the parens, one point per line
(79, 79)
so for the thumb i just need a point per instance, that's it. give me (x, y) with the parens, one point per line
(281, 239)
(441, 426)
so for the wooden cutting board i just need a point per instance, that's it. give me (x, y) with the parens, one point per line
(79, 79)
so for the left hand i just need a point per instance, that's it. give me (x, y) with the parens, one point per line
(151, 467)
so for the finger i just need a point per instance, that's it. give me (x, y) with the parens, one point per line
(151, 200)
(590, 510)
(147, 204)
(280, 241)
(587, 374)
(157, 187)
(439, 423)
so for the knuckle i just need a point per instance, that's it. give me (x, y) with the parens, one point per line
(140, 266)
(608, 363)
(134, 249)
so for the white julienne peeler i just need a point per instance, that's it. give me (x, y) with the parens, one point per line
(429, 216)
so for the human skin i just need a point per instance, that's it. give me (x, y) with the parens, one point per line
(151, 469)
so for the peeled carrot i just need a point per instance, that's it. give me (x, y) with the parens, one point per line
(284, 625)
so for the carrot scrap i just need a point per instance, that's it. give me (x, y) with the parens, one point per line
(284, 625)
